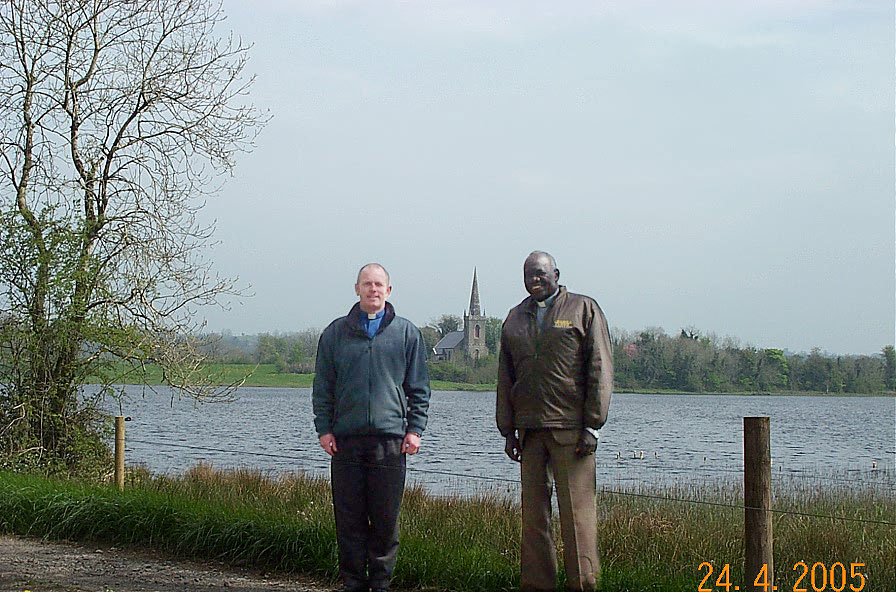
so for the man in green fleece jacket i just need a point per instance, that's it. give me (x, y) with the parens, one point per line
(370, 401)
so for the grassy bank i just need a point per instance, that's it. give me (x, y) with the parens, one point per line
(266, 375)
(247, 518)
(223, 374)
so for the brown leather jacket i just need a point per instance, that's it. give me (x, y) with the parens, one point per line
(560, 376)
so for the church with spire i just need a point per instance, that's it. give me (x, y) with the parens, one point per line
(470, 343)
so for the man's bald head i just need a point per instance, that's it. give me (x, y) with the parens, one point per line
(536, 255)
(375, 266)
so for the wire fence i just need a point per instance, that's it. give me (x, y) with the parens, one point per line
(886, 480)
(874, 477)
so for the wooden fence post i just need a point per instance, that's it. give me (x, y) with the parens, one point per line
(759, 569)
(119, 452)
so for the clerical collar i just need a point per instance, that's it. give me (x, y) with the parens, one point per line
(371, 321)
(547, 301)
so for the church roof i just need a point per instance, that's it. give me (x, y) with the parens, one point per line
(450, 341)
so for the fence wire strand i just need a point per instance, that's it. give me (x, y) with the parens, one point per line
(791, 473)
(665, 468)
(517, 482)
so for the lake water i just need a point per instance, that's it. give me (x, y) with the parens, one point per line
(685, 439)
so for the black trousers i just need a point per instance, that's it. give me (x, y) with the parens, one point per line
(367, 475)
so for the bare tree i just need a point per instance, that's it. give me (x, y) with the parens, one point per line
(117, 118)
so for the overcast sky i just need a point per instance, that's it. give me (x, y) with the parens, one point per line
(726, 165)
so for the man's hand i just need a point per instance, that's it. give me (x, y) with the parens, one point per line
(328, 443)
(586, 445)
(411, 443)
(512, 448)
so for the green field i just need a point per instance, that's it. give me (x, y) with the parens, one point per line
(224, 374)
(266, 375)
(650, 540)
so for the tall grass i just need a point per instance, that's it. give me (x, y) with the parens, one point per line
(652, 535)
(248, 518)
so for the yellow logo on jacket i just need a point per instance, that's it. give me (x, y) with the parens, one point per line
(562, 324)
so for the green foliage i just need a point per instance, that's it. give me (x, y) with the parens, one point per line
(493, 334)
(446, 323)
(430, 339)
(889, 353)
(447, 371)
(772, 370)
(109, 148)
(651, 360)
(82, 450)
(293, 353)
(648, 362)
(482, 371)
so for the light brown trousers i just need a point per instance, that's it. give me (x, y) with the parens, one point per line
(548, 457)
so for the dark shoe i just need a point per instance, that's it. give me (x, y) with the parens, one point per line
(352, 589)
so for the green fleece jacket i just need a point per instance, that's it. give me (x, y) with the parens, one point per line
(370, 385)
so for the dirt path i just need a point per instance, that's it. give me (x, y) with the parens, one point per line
(42, 566)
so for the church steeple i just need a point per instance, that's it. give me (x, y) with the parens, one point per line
(474, 325)
(474, 297)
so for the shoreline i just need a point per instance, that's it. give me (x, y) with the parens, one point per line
(264, 375)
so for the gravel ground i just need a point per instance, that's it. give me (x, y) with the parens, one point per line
(53, 566)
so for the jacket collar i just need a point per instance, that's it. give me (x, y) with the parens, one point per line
(353, 318)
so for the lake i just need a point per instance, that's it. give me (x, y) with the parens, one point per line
(685, 439)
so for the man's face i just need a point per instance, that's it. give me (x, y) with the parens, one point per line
(373, 288)
(540, 277)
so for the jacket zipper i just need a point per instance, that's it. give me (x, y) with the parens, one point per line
(533, 325)
(369, 382)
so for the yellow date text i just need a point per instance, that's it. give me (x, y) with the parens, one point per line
(814, 577)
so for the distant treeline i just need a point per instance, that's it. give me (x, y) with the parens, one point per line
(643, 360)
(288, 352)
(689, 362)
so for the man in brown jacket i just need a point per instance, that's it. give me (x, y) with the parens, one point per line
(555, 377)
